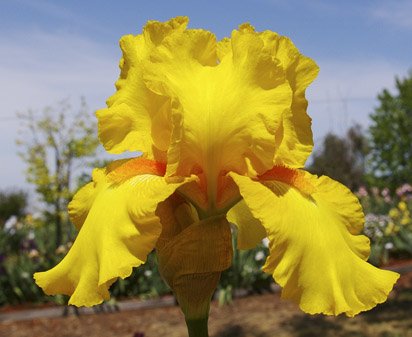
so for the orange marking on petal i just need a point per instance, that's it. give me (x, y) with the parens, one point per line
(293, 177)
(134, 167)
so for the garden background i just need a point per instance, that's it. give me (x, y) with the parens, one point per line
(58, 64)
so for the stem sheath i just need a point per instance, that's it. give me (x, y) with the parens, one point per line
(197, 327)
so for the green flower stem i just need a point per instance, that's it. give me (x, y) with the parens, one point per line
(197, 327)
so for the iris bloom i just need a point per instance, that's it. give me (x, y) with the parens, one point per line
(224, 134)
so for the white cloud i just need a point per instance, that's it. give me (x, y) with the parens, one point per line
(345, 92)
(39, 69)
(396, 13)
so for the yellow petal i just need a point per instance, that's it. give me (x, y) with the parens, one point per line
(222, 112)
(136, 118)
(294, 138)
(120, 228)
(250, 231)
(223, 48)
(83, 200)
(316, 252)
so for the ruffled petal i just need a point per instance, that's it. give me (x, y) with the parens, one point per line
(225, 112)
(136, 118)
(83, 200)
(294, 138)
(120, 228)
(316, 252)
(250, 231)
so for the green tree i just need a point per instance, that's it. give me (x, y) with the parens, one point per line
(12, 202)
(342, 158)
(55, 145)
(391, 136)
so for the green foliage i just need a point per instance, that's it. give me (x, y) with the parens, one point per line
(245, 272)
(145, 281)
(26, 248)
(342, 158)
(12, 203)
(20, 256)
(56, 145)
(391, 137)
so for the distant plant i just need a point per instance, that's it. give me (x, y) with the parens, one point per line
(342, 158)
(388, 222)
(391, 137)
(55, 145)
(12, 202)
(25, 247)
(245, 273)
(144, 282)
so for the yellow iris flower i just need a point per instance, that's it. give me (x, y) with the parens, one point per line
(224, 134)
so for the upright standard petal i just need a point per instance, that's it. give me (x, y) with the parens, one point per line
(136, 118)
(294, 139)
(225, 114)
(316, 251)
(120, 228)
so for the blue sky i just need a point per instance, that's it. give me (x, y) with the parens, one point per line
(50, 50)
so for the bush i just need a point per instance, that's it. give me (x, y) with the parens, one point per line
(388, 223)
(25, 248)
(245, 272)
